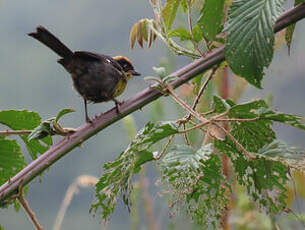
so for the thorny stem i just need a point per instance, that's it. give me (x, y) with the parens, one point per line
(14, 132)
(28, 210)
(239, 146)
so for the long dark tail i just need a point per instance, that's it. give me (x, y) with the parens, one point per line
(45, 37)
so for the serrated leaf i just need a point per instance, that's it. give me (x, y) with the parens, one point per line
(195, 178)
(263, 178)
(250, 38)
(117, 179)
(211, 18)
(181, 32)
(25, 120)
(169, 11)
(247, 110)
(252, 135)
(288, 119)
(11, 159)
(63, 112)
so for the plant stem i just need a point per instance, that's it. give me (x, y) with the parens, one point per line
(28, 210)
(14, 132)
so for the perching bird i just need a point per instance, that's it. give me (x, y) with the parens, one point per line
(96, 77)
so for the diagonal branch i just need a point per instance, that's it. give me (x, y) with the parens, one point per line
(143, 98)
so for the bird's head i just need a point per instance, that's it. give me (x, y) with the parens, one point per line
(127, 66)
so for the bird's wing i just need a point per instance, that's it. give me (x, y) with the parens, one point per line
(85, 55)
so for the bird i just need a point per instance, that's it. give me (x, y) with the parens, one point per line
(96, 77)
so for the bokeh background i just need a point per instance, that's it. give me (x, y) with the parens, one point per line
(32, 80)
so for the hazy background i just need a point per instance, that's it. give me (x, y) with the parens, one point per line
(32, 80)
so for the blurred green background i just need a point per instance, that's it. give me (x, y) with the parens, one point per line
(31, 79)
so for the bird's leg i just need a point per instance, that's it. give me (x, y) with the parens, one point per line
(117, 105)
(88, 120)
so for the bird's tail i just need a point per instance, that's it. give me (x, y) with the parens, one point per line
(47, 38)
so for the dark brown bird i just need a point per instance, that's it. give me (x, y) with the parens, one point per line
(96, 77)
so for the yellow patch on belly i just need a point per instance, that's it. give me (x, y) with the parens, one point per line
(120, 87)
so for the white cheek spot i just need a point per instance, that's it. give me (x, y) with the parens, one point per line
(108, 61)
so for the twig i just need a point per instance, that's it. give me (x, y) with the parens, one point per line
(237, 119)
(239, 146)
(14, 132)
(184, 105)
(203, 87)
(195, 127)
(28, 210)
(170, 140)
(187, 140)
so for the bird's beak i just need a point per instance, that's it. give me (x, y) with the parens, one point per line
(135, 73)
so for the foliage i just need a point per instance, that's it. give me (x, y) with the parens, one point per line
(117, 179)
(19, 120)
(195, 178)
(11, 159)
(192, 173)
(210, 22)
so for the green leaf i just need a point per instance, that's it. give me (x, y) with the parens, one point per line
(197, 35)
(195, 178)
(63, 112)
(181, 33)
(169, 11)
(117, 179)
(11, 159)
(290, 29)
(289, 35)
(247, 110)
(250, 38)
(255, 134)
(19, 120)
(280, 149)
(184, 5)
(288, 119)
(264, 178)
(220, 105)
(211, 18)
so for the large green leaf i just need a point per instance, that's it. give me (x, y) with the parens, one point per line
(19, 120)
(169, 11)
(250, 38)
(211, 18)
(11, 159)
(117, 179)
(264, 178)
(195, 177)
